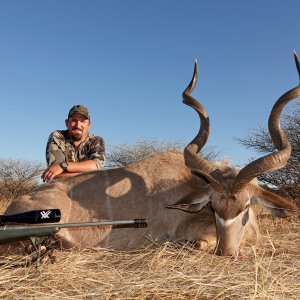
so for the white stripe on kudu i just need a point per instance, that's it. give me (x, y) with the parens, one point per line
(227, 222)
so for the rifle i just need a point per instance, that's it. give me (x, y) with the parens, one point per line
(11, 230)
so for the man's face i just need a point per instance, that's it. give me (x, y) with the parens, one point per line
(78, 127)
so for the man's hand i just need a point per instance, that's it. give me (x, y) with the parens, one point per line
(52, 172)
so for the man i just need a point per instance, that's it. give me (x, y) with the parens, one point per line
(73, 151)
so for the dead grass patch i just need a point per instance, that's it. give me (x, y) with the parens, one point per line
(268, 270)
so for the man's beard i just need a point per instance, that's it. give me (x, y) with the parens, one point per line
(76, 136)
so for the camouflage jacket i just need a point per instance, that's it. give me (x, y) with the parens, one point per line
(60, 148)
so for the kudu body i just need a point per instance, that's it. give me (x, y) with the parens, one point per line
(183, 197)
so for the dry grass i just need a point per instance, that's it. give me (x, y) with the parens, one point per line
(269, 270)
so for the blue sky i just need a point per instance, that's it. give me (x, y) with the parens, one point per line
(129, 62)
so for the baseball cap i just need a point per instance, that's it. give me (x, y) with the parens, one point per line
(79, 109)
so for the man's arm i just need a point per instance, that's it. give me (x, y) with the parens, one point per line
(97, 151)
(74, 168)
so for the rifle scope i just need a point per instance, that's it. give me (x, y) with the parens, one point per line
(32, 217)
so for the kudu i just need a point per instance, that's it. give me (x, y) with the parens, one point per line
(183, 197)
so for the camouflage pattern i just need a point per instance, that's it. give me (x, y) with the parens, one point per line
(61, 149)
(79, 109)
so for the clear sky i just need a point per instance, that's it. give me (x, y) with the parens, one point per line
(130, 60)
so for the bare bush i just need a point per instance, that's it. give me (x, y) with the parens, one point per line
(18, 177)
(287, 180)
(126, 154)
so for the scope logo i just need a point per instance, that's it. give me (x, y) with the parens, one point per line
(45, 214)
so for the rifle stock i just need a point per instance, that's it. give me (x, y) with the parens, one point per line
(12, 234)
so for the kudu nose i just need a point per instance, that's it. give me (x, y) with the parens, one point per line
(227, 252)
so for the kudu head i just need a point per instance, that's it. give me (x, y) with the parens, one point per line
(231, 191)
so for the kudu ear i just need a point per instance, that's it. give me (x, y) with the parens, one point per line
(209, 179)
(193, 202)
(275, 204)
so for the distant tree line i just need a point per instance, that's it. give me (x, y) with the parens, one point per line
(125, 154)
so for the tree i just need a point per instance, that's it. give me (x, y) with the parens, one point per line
(287, 180)
(18, 177)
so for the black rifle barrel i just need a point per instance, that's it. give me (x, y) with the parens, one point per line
(139, 223)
